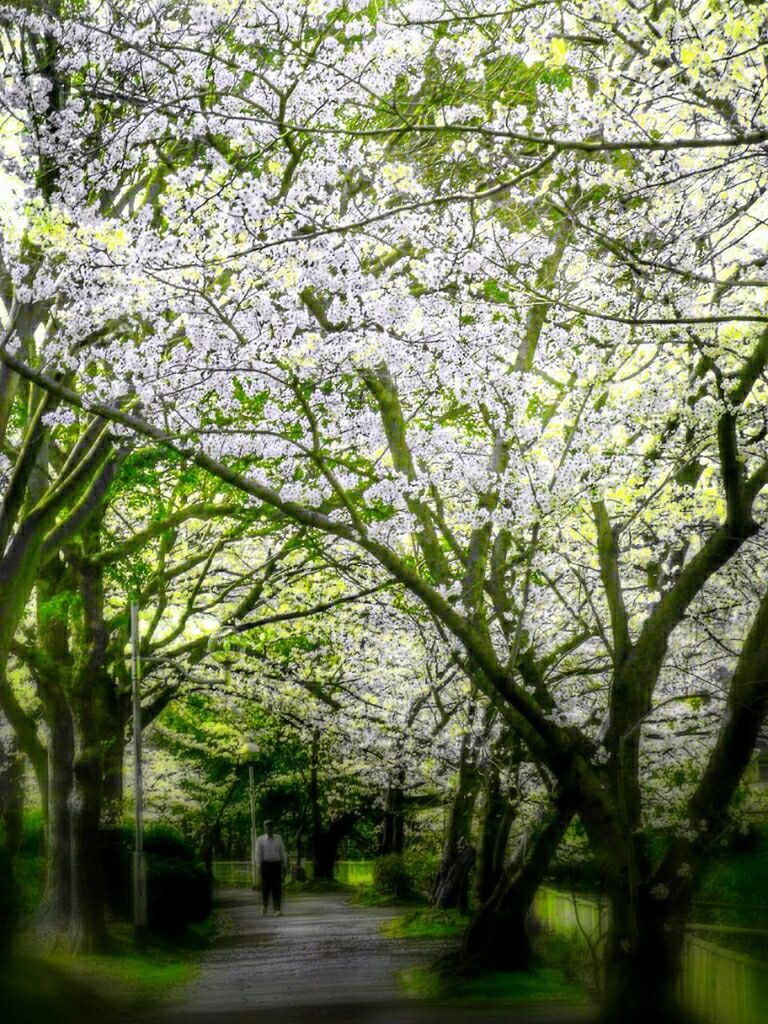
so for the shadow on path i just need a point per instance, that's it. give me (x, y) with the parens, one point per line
(324, 961)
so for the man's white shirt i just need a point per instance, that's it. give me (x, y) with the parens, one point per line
(271, 850)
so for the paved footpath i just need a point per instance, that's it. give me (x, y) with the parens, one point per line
(324, 962)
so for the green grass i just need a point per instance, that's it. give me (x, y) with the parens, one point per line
(537, 985)
(64, 988)
(368, 896)
(316, 885)
(426, 924)
(37, 990)
(69, 989)
(133, 978)
(29, 876)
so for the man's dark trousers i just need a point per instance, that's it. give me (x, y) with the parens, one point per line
(272, 882)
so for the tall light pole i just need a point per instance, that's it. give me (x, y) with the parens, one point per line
(250, 750)
(139, 857)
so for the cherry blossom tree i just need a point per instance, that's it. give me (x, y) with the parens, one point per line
(476, 291)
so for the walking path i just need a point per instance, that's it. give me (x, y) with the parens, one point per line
(324, 962)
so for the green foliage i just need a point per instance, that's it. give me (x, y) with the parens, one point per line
(32, 834)
(426, 924)
(733, 891)
(8, 887)
(80, 990)
(538, 985)
(59, 607)
(371, 897)
(391, 876)
(574, 868)
(29, 881)
(571, 958)
(38, 990)
(29, 864)
(423, 870)
(179, 892)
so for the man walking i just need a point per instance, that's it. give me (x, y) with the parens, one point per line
(271, 860)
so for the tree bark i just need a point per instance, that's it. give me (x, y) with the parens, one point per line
(324, 853)
(393, 831)
(11, 817)
(50, 662)
(451, 887)
(643, 956)
(90, 698)
(496, 938)
(88, 931)
(56, 905)
(496, 823)
(326, 842)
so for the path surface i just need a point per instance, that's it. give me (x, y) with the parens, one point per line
(324, 962)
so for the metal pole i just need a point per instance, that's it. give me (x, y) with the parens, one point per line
(139, 857)
(254, 837)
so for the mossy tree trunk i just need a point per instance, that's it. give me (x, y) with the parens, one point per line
(90, 702)
(50, 664)
(496, 938)
(11, 818)
(498, 814)
(451, 887)
(57, 899)
(393, 824)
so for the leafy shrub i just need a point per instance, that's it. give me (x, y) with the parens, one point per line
(178, 889)
(423, 871)
(391, 877)
(32, 834)
(731, 890)
(28, 867)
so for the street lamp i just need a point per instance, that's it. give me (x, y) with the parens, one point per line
(139, 857)
(250, 751)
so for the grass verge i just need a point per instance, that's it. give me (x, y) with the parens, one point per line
(95, 989)
(537, 985)
(426, 924)
(368, 896)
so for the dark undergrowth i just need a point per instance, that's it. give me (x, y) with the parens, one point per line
(370, 896)
(319, 885)
(540, 984)
(61, 988)
(559, 975)
(426, 924)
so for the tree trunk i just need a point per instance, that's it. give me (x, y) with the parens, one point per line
(11, 817)
(117, 715)
(91, 698)
(643, 956)
(393, 832)
(325, 849)
(452, 887)
(452, 883)
(299, 872)
(498, 815)
(88, 932)
(51, 669)
(643, 948)
(326, 843)
(496, 938)
(57, 898)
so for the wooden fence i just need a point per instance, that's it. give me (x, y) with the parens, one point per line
(718, 986)
(239, 872)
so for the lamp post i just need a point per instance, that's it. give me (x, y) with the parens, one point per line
(139, 857)
(250, 750)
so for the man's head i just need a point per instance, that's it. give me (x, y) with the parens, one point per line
(268, 825)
